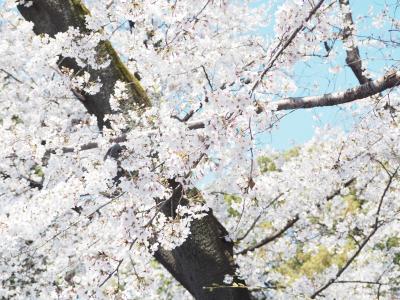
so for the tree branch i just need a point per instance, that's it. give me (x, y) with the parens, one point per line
(271, 238)
(285, 45)
(353, 58)
(257, 219)
(375, 227)
(205, 257)
(337, 192)
(207, 77)
(389, 80)
(11, 75)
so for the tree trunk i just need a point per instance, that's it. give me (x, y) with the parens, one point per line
(53, 16)
(205, 257)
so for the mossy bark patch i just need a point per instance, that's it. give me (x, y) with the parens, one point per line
(134, 87)
(53, 16)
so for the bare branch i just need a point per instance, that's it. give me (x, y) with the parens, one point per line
(189, 114)
(371, 88)
(271, 238)
(11, 75)
(111, 274)
(196, 125)
(353, 58)
(207, 77)
(185, 118)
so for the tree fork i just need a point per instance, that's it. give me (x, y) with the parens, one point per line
(205, 257)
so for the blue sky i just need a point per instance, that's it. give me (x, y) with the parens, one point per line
(299, 126)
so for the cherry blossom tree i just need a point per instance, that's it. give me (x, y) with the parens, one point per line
(112, 113)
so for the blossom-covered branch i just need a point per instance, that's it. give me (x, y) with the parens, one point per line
(52, 16)
(103, 195)
(286, 44)
(371, 88)
(361, 246)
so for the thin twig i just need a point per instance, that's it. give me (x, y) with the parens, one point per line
(11, 75)
(196, 17)
(257, 219)
(363, 244)
(207, 77)
(112, 273)
(285, 45)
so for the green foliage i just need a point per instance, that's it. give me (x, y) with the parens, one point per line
(310, 264)
(38, 171)
(393, 242)
(396, 258)
(291, 153)
(266, 164)
(164, 288)
(229, 200)
(354, 204)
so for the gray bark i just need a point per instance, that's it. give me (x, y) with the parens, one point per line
(353, 58)
(53, 16)
(205, 257)
(368, 89)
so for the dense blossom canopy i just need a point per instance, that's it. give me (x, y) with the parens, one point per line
(80, 199)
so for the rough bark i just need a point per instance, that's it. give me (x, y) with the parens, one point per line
(353, 58)
(205, 257)
(202, 261)
(53, 16)
(368, 89)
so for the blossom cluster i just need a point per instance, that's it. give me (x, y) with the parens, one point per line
(77, 221)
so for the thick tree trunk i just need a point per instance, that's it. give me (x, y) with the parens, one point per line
(202, 261)
(205, 257)
(53, 16)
